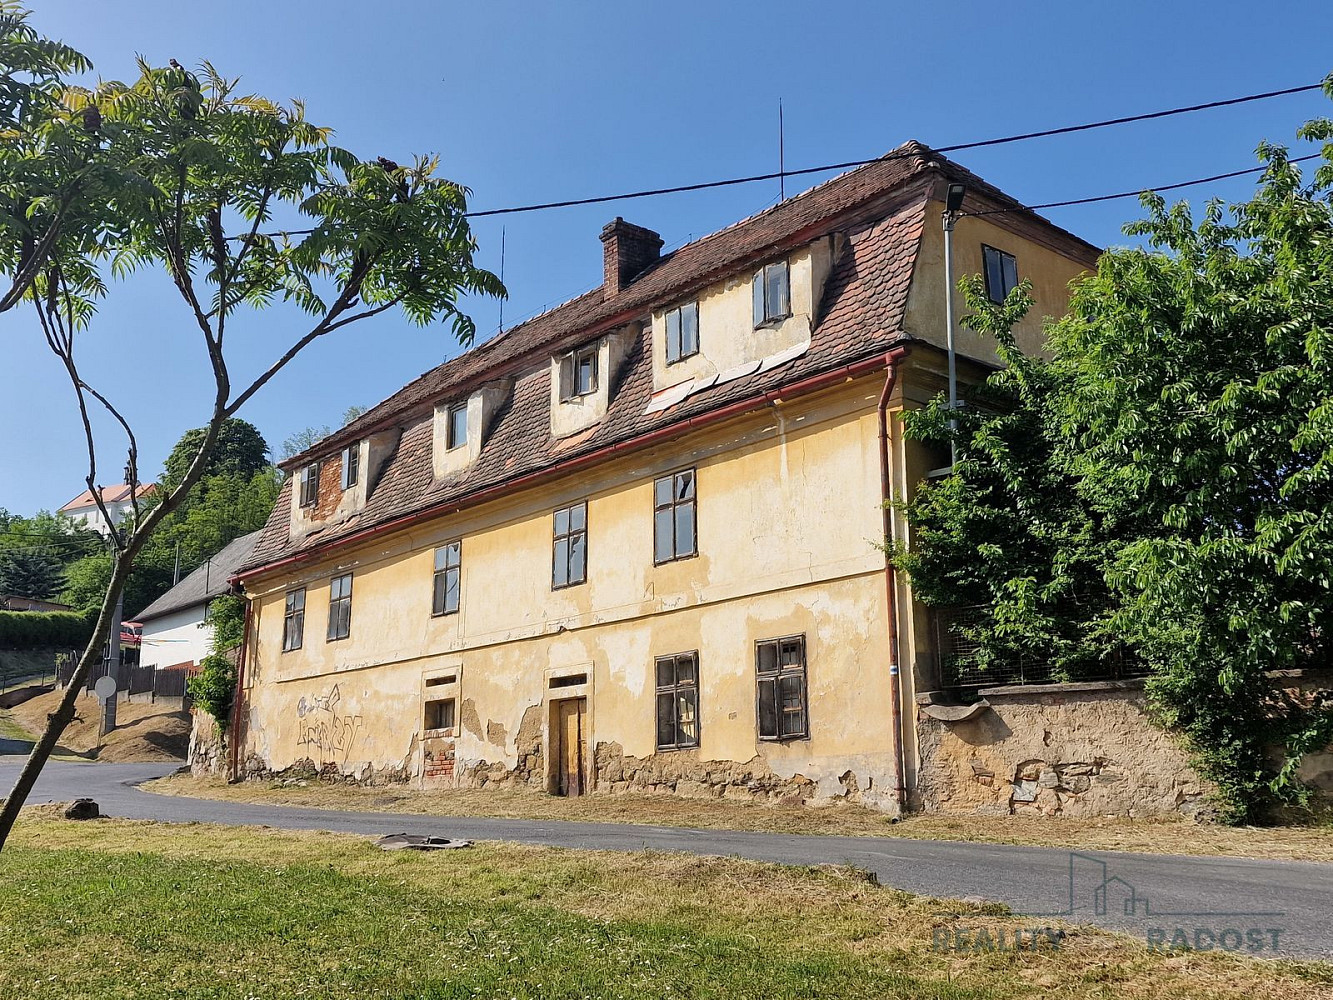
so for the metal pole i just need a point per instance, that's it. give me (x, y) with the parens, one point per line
(949, 219)
(113, 664)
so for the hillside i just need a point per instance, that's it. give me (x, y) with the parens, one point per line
(144, 731)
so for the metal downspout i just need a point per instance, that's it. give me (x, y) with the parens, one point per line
(890, 578)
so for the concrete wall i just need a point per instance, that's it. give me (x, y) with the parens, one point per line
(1079, 750)
(788, 513)
(179, 637)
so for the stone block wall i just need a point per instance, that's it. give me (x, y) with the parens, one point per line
(206, 755)
(682, 773)
(1078, 750)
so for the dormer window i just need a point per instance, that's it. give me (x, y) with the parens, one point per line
(578, 373)
(682, 333)
(1001, 273)
(309, 484)
(456, 426)
(351, 466)
(772, 294)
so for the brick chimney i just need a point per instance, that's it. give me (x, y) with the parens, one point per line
(627, 250)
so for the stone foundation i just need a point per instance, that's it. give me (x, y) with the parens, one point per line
(681, 772)
(1079, 750)
(256, 768)
(207, 754)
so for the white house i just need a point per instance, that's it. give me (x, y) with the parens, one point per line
(176, 626)
(83, 508)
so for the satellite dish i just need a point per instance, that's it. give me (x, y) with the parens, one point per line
(105, 688)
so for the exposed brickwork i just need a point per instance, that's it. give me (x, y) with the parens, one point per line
(437, 760)
(330, 492)
(627, 251)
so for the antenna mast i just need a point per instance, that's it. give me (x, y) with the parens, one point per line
(502, 278)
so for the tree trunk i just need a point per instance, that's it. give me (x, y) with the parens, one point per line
(61, 717)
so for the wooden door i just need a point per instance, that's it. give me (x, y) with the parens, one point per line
(570, 726)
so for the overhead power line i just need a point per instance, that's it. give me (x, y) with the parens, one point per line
(1134, 194)
(848, 164)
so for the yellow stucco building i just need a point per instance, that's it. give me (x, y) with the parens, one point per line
(633, 543)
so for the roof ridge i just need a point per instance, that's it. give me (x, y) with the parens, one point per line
(910, 149)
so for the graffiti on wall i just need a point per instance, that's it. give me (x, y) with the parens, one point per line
(326, 731)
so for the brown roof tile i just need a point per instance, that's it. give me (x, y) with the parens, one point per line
(880, 208)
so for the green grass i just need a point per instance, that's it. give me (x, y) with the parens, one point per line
(11, 730)
(120, 910)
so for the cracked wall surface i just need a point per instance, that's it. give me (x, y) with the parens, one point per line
(1077, 754)
(802, 480)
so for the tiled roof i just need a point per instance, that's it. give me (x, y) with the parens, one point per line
(110, 494)
(879, 208)
(206, 582)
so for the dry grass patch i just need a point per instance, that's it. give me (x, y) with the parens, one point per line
(1296, 843)
(144, 731)
(129, 909)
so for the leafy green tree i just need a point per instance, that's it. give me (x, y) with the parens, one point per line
(1199, 390)
(308, 437)
(212, 172)
(213, 688)
(30, 572)
(240, 452)
(58, 169)
(1008, 532)
(1166, 481)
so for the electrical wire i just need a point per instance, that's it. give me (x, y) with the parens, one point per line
(848, 164)
(1134, 194)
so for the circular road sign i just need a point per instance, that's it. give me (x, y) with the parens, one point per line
(105, 687)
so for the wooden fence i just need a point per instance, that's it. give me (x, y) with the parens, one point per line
(158, 683)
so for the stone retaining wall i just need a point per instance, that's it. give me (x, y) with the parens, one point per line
(1078, 750)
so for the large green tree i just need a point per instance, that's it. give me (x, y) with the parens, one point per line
(214, 173)
(1165, 482)
(31, 571)
(1008, 536)
(239, 452)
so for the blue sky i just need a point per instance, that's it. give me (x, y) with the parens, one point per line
(528, 102)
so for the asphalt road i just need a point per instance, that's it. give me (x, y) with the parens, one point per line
(1208, 899)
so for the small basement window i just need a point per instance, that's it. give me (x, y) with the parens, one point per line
(1001, 273)
(682, 333)
(578, 373)
(441, 713)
